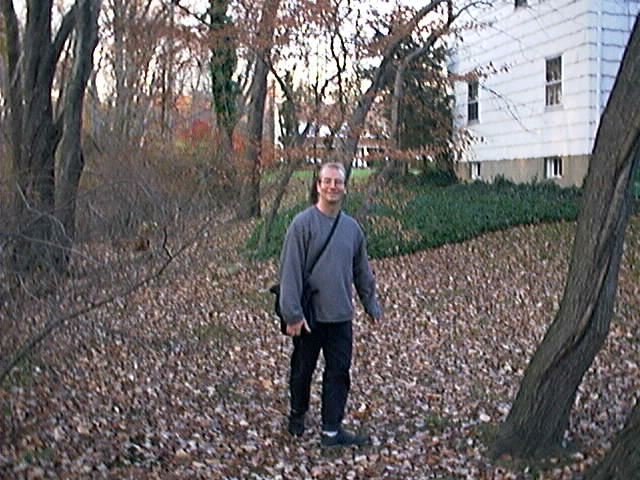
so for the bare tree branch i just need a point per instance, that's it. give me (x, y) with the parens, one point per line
(56, 323)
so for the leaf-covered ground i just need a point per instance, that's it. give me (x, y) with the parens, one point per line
(186, 378)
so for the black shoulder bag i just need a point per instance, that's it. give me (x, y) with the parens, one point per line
(307, 293)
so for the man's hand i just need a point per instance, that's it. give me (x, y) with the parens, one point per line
(295, 329)
(373, 319)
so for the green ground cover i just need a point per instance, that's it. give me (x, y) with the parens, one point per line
(418, 214)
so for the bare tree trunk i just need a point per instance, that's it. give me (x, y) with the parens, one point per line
(71, 156)
(135, 30)
(396, 99)
(167, 82)
(222, 158)
(398, 167)
(540, 413)
(281, 187)
(289, 169)
(35, 144)
(36, 133)
(14, 95)
(347, 147)
(120, 121)
(249, 164)
(622, 461)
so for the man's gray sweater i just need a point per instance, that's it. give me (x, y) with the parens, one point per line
(343, 264)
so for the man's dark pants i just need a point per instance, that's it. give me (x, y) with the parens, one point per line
(335, 340)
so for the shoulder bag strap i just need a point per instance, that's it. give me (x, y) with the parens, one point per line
(324, 246)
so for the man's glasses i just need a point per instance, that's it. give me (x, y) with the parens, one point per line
(337, 182)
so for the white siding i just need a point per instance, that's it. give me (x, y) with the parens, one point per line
(513, 119)
(617, 19)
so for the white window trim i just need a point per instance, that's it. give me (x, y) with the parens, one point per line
(553, 167)
(473, 101)
(552, 83)
(475, 171)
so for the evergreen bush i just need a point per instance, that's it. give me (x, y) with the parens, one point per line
(416, 216)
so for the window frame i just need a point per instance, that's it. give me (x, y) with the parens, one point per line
(553, 82)
(553, 167)
(474, 171)
(473, 102)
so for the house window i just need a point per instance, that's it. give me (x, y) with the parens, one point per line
(472, 102)
(521, 3)
(475, 171)
(552, 167)
(554, 81)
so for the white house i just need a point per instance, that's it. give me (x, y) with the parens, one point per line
(550, 66)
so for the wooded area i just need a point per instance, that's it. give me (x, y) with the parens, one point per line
(132, 130)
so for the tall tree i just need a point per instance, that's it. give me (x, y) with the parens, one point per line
(622, 461)
(303, 109)
(386, 70)
(3, 69)
(233, 27)
(293, 140)
(539, 415)
(225, 89)
(223, 64)
(142, 40)
(44, 230)
(71, 157)
(251, 128)
(399, 52)
(421, 108)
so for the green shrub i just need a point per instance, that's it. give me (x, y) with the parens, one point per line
(431, 177)
(353, 202)
(463, 211)
(415, 216)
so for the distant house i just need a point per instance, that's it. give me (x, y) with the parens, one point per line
(322, 137)
(550, 66)
(371, 147)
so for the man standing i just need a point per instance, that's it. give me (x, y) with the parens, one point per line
(343, 263)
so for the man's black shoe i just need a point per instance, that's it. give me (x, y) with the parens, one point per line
(296, 425)
(344, 438)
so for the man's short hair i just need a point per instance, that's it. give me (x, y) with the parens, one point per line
(334, 165)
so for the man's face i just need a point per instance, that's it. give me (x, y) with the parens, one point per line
(331, 187)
